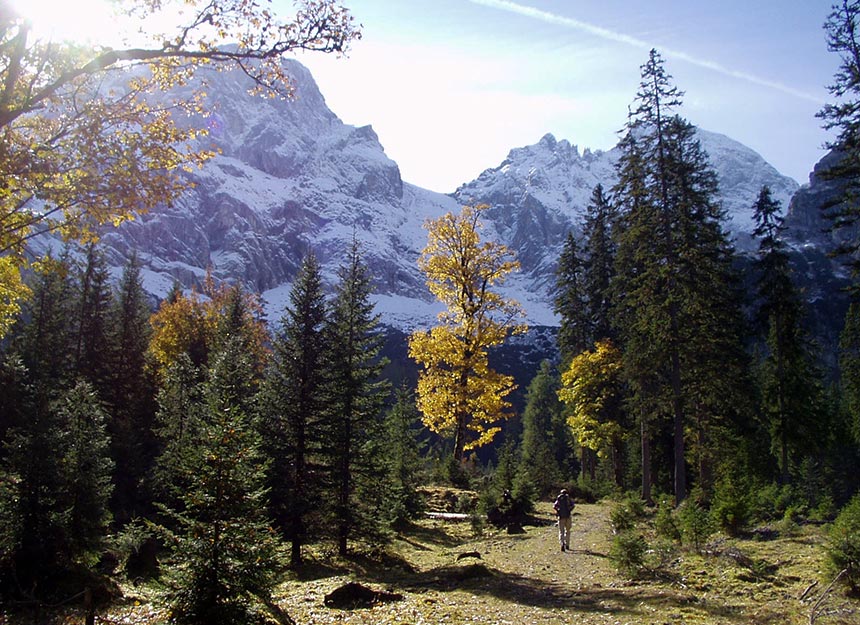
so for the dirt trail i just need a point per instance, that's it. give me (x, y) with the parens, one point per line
(518, 579)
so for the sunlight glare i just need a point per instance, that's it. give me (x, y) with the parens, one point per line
(80, 21)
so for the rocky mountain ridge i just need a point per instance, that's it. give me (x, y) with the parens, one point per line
(291, 177)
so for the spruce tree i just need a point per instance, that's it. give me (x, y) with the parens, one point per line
(226, 554)
(178, 424)
(294, 408)
(59, 465)
(791, 390)
(92, 319)
(541, 439)
(843, 116)
(599, 265)
(401, 451)
(355, 401)
(130, 395)
(676, 306)
(569, 302)
(849, 368)
(45, 342)
(88, 468)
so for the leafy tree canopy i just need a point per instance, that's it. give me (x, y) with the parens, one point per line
(81, 142)
(458, 393)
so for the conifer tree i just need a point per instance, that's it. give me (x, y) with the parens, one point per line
(599, 265)
(676, 304)
(178, 422)
(45, 343)
(790, 391)
(226, 554)
(402, 454)
(90, 339)
(570, 302)
(88, 469)
(849, 368)
(294, 408)
(356, 400)
(130, 394)
(233, 311)
(843, 115)
(59, 465)
(542, 439)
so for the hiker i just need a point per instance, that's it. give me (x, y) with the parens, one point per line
(563, 507)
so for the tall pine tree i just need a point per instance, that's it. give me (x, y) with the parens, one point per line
(356, 399)
(790, 388)
(570, 301)
(225, 551)
(92, 320)
(599, 265)
(400, 448)
(294, 408)
(676, 306)
(130, 394)
(542, 465)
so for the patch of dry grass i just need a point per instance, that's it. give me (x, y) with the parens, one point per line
(525, 578)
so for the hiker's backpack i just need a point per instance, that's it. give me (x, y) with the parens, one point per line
(563, 505)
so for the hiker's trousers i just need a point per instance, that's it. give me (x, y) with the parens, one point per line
(564, 525)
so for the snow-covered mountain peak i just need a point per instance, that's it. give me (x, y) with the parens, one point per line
(292, 177)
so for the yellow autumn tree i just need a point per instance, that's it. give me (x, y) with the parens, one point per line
(179, 327)
(459, 395)
(195, 325)
(82, 143)
(592, 389)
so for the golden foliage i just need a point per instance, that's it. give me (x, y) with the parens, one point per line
(191, 325)
(178, 326)
(459, 395)
(12, 291)
(82, 145)
(591, 387)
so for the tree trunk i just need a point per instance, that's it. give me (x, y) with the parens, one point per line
(678, 430)
(646, 462)
(618, 463)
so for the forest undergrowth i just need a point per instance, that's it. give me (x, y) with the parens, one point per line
(456, 571)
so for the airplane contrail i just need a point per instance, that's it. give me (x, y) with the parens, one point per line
(611, 35)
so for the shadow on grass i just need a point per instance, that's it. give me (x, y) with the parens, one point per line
(522, 590)
(313, 569)
(427, 538)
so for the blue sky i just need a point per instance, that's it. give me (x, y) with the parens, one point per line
(450, 86)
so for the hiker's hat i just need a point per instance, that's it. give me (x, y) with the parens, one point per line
(563, 491)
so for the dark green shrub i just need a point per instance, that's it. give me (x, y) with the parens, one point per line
(622, 518)
(825, 510)
(770, 501)
(136, 550)
(788, 525)
(455, 473)
(665, 523)
(661, 553)
(694, 520)
(730, 508)
(628, 553)
(843, 546)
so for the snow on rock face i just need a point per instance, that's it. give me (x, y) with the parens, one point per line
(540, 192)
(291, 177)
(741, 173)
